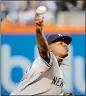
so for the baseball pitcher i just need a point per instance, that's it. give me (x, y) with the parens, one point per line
(45, 76)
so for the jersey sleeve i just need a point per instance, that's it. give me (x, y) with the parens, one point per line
(48, 61)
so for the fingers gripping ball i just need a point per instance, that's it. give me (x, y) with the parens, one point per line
(39, 19)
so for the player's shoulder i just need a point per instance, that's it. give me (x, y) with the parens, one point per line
(40, 59)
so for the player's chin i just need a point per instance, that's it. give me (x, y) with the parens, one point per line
(65, 55)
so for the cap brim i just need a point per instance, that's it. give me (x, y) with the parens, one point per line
(66, 39)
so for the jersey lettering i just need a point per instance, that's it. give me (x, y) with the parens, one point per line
(57, 81)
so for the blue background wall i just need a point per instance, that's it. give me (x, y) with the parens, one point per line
(25, 46)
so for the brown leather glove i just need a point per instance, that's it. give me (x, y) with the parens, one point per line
(69, 94)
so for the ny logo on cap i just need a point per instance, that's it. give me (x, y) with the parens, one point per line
(60, 34)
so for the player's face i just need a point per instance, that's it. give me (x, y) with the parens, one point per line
(60, 48)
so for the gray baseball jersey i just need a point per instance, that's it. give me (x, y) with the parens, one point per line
(42, 79)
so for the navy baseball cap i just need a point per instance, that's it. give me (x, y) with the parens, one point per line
(58, 37)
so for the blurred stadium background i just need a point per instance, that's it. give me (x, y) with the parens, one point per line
(18, 42)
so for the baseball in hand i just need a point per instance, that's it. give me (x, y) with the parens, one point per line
(41, 10)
